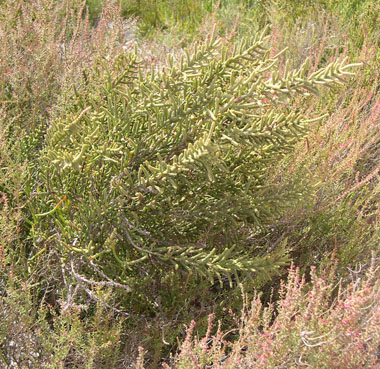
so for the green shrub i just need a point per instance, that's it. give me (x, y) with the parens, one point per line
(163, 172)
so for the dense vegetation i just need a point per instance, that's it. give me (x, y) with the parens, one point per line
(189, 184)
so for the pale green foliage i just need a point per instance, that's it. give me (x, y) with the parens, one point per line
(167, 168)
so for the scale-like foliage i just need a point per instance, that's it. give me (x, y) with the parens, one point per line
(167, 168)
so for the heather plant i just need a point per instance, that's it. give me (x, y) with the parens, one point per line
(36, 335)
(319, 324)
(339, 157)
(44, 46)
